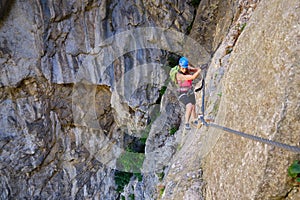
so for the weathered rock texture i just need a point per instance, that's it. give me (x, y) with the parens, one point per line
(252, 86)
(63, 100)
(81, 81)
(260, 96)
(213, 21)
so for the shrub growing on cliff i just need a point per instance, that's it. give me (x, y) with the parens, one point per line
(123, 178)
(294, 170)
(173, 130)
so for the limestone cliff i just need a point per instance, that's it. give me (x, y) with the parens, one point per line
(252, 86)
(87, 110)
(79, 81)
(260, 95)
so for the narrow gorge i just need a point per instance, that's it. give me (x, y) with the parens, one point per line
(88, 111)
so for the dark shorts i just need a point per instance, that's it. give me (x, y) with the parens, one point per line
(187, 97)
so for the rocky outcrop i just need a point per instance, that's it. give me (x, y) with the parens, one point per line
(213, 21)
(74, 91)
(259, 97)
(251, 87)
(85, 100)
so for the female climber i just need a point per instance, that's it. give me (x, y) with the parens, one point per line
(185, 76)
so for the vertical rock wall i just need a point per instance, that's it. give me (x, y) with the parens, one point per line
(260, 96)
(59, 69)
(73, 74)
(213, 21)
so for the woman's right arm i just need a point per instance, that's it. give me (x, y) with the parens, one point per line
(188, 77)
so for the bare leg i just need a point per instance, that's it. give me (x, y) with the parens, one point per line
(188, 112)
(194, 112)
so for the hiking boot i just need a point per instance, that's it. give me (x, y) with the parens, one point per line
(195, 122)
(200, 117)
(187, 126)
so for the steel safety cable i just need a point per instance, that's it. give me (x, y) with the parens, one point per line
(242, 134)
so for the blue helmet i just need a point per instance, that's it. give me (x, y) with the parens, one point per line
(183, 62)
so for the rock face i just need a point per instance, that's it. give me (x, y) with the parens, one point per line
(85, 95)
(251, 86)
(260, 96)
(68, 89)
(212, 22)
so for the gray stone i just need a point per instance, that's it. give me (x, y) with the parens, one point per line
(77, 76)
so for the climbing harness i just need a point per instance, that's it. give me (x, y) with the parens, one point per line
(245, 135)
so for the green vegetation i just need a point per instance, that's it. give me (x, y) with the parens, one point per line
(173, 130)
(161, 176)
(162, 90)
(143, 139)
(131, 197)
(131, 161)
(161, 190)
(294, 171)
(144, 134)
(139, 176)
(122, 179)
(243, 27)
